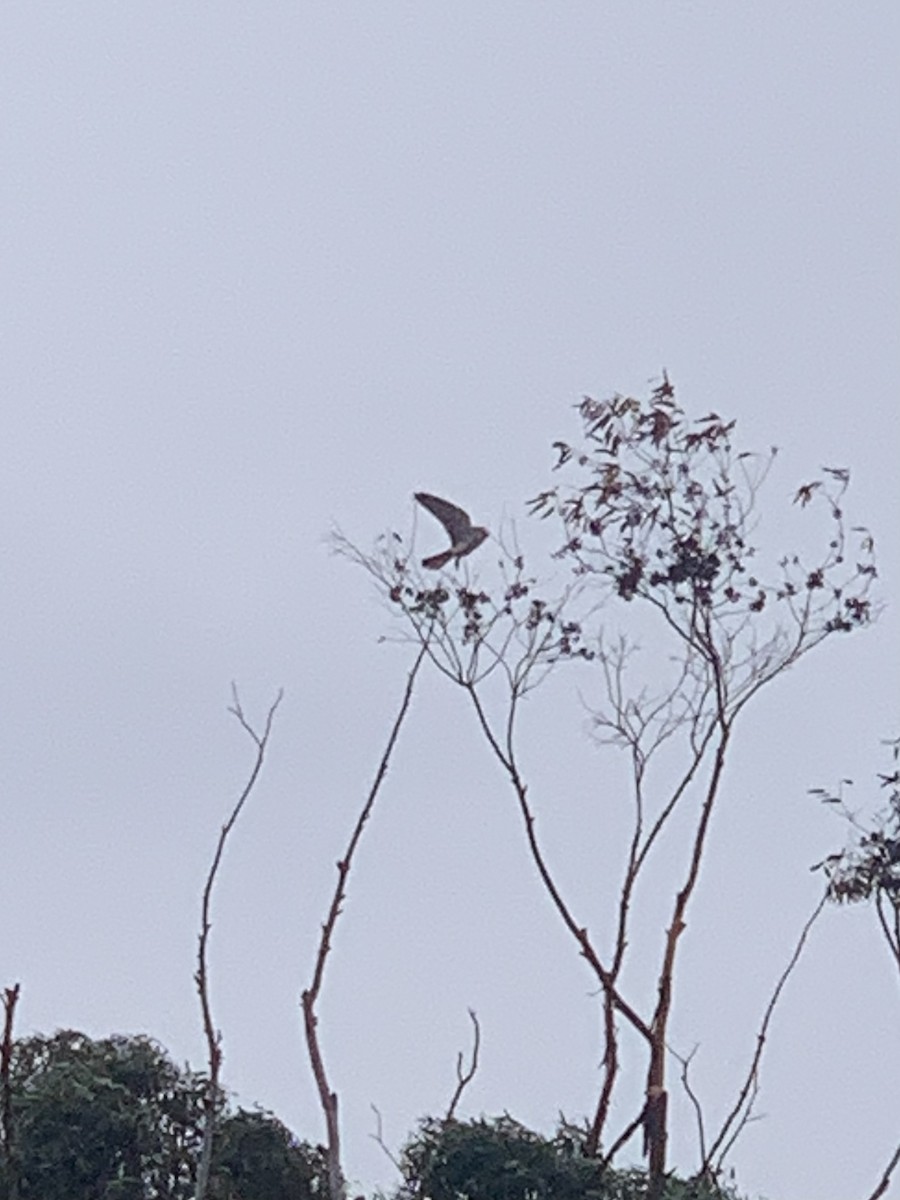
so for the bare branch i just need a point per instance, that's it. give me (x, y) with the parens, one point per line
(625, 1136)
(378, 1138)
(740, 1113)
(464, 1078)
(610, 1074)
(657, 1135)
(201, 977)
(685, 1062)
(327, 1097)
(885, 1181)
(506, 756)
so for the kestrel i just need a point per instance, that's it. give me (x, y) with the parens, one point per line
(464, 536)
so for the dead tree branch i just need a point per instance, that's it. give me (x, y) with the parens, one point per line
(624, 1137)
(685, 1061)
(327, 1096)
(464, 1078)
(507, 758)
(378, 1138)
(885, 1181)
(201, 977)
(741, 1112)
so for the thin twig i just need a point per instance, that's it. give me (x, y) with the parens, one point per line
(885, 1181)
(464, 1078)
(753, 1070)
(692, 1096)
(201, 977)
(378, 1138)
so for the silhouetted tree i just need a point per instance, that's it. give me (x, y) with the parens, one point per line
(658, 514)
(213, 1099)
(868, 869)
(328, 1096)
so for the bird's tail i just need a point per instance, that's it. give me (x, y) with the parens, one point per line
(436, 561)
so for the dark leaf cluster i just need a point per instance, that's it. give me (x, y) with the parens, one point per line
(870, 867)
(483, 624)
(661, 507)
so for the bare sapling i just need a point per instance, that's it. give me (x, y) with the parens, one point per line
(328, 1097)
(213, 1098)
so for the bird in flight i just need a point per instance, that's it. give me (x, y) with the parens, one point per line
(464, 536)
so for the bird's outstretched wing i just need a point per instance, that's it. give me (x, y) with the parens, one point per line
(457, 523)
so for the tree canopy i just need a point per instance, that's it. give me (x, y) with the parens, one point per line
(117, 1119)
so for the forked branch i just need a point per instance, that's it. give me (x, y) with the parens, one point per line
(506, 756)
(464, 1078)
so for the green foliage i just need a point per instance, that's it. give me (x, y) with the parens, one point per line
(257, 1158)
(871, 866)
(500, 1159)
(112, 1119)
(117, 1120)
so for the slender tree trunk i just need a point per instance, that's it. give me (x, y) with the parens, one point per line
(209, 1122)
(328, 1099)
(7, 1130)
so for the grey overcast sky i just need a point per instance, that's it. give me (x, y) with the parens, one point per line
(272, 267)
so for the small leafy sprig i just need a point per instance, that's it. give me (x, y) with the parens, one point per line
(870, 866)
